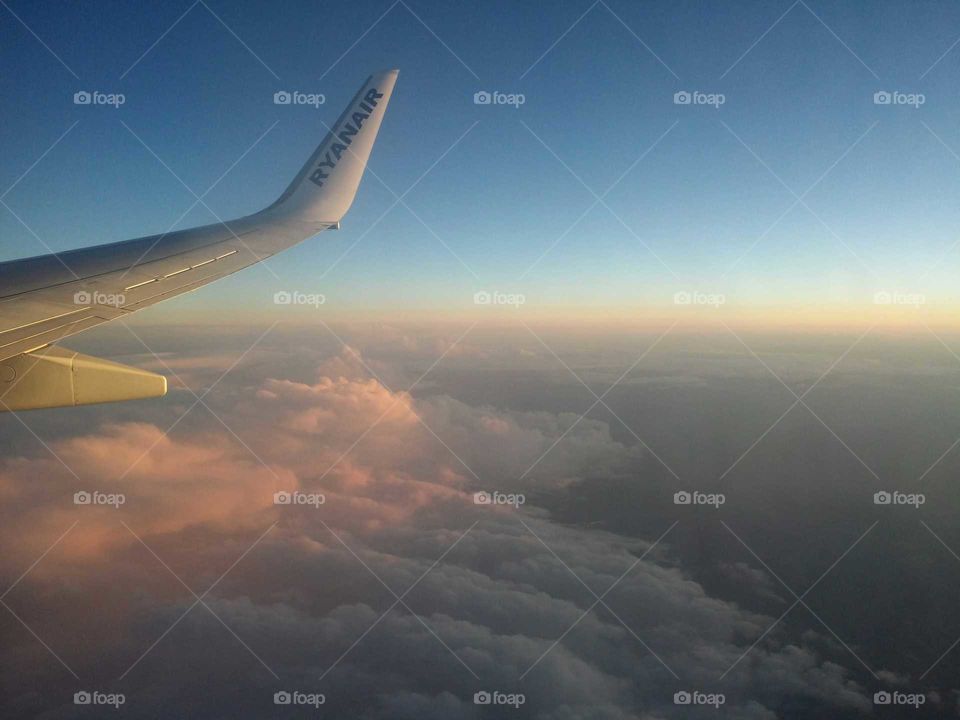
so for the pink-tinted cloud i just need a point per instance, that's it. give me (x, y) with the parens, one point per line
(397, 497)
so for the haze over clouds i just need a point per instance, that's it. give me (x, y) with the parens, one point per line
(602, 301)
(493, 587)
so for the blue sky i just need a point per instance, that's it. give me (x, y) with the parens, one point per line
(695, 212)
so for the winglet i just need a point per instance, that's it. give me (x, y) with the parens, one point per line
(324, 189)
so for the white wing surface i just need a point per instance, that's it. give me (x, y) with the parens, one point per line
(47, 298)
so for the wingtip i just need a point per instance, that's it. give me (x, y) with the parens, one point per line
(324, 189)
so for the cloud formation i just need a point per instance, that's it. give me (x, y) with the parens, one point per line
(491, 597)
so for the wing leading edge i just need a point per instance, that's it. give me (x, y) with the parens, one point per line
(47, 298)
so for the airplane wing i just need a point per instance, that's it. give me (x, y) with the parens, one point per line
(47, 298)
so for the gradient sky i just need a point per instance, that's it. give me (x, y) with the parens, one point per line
(799, 195)
(699, 212)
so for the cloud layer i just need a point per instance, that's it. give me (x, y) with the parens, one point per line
(490, 597)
